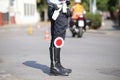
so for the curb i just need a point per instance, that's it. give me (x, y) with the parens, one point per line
(42, 24)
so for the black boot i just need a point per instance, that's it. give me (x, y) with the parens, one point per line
(58, 61)
(53, 69)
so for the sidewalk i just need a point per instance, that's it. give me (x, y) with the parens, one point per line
(40, 27)
(110, 28)
(42, 24)
(107, 27)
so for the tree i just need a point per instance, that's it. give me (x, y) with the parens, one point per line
(42, 6)
(112, 6)
(102, 5)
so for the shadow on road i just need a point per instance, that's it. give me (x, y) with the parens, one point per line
(33, 64)
(110, 71)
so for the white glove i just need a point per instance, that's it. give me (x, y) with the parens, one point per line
(64, 8)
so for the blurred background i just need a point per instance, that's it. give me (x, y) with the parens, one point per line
(33, 11)
(25, 38)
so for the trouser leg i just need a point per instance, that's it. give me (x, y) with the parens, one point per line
(58, 61)
(55, 69)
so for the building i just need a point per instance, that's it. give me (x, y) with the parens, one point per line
(18, 12)
(4, 16)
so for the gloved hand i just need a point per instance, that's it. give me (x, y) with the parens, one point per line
(55, 7)
(68, 2)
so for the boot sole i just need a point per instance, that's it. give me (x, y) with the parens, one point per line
(58, 74)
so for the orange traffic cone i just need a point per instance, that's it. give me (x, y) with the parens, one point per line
(38, 26)
(47, 35)
(30, 30)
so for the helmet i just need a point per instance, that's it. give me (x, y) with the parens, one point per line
(77, 1)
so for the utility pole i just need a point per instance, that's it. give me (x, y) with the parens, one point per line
(119, 2)
(11, 10)
(90, 5)
(94, 7)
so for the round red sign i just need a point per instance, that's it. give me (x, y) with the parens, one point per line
(59, 42)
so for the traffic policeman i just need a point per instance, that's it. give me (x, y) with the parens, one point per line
(58, 13)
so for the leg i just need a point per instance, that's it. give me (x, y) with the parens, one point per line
(55, 68)
(54, 57)
(53, 71)
(58, 61)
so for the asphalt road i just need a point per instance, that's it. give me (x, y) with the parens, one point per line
(95, 56)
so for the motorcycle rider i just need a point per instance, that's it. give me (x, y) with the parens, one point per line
(58, 14)
(77, 10)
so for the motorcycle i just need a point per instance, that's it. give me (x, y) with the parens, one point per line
(77, 27)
